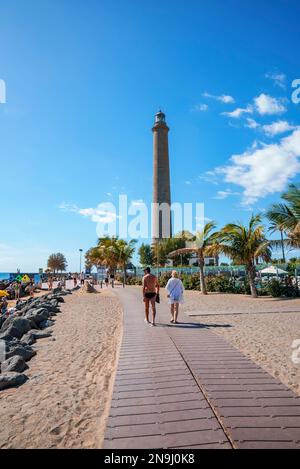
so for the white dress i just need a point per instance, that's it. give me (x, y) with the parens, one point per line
(175, 289)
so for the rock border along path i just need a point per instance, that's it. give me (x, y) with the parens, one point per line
(185, 387)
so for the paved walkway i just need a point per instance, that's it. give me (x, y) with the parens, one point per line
(185, 387)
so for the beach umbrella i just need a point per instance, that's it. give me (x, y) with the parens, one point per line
(273, 270)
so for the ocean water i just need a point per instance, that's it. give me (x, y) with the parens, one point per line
(4, 276)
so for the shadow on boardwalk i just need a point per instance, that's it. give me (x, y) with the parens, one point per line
(192, 325)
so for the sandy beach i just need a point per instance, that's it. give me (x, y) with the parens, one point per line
(263, 328)
(65, 402)
(66, 399)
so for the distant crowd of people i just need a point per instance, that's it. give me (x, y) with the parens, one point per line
(150, 288)
(17, 289)
(60, 282)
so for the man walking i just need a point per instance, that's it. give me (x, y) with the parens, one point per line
(82, 279)
(150, 292)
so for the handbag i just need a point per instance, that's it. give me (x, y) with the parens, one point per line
(157, 299)
(169, 295)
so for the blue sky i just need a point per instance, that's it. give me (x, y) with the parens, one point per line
(83, 82)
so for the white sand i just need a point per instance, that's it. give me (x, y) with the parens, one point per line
(264, 336)
(65, 402)
(219, 303)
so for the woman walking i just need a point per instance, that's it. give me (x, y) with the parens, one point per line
(31, 289)
(175, 291)
(18, 288)
(50, 283)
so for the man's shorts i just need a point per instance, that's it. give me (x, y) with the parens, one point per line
(150, 298)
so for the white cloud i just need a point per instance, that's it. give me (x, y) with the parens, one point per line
(278, 78)
(224, 194)
(251, 123)
(278, 127)
(188, 183)
(263, 104)
(209, 176)
(237, 113)
(200, 107)
(266, 105)
(224, 98)
(100, 214)
(264, 170)
(68, 207)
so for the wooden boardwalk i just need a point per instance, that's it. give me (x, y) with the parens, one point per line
(182, 386)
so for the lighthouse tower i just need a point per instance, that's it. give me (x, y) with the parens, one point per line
(162, 224)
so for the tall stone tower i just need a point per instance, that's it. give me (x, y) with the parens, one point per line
(162, 223)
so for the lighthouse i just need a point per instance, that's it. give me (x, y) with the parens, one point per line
(161, 215)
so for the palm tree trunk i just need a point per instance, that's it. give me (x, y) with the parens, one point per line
(282, 246)
(201, 273)
(124, 275)
(251, 276)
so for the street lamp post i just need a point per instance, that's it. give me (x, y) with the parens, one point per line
(80, 251)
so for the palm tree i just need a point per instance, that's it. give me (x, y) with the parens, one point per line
(203, 245)
(275, 226)
(111, 252)
(102, 254)
(285, 217)
(162, 248)
(245, 245)
(124, 251)
(146, 256)
(57, 262)
(93, 257)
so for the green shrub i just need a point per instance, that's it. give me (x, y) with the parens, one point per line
(163, 279)
(263, 291)
(274, 288)
(191, 282)
(290, 291)
(134, 281)
(278, 288)
(224, 284)
(220, 284)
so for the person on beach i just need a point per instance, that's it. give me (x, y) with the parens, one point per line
(150, 292)
(75, 280)
(11, 291)
(4, 307)
(50, 283)
(18, 287)
(82, 279)
(175, 291)
(112, 280)
(31, 289)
